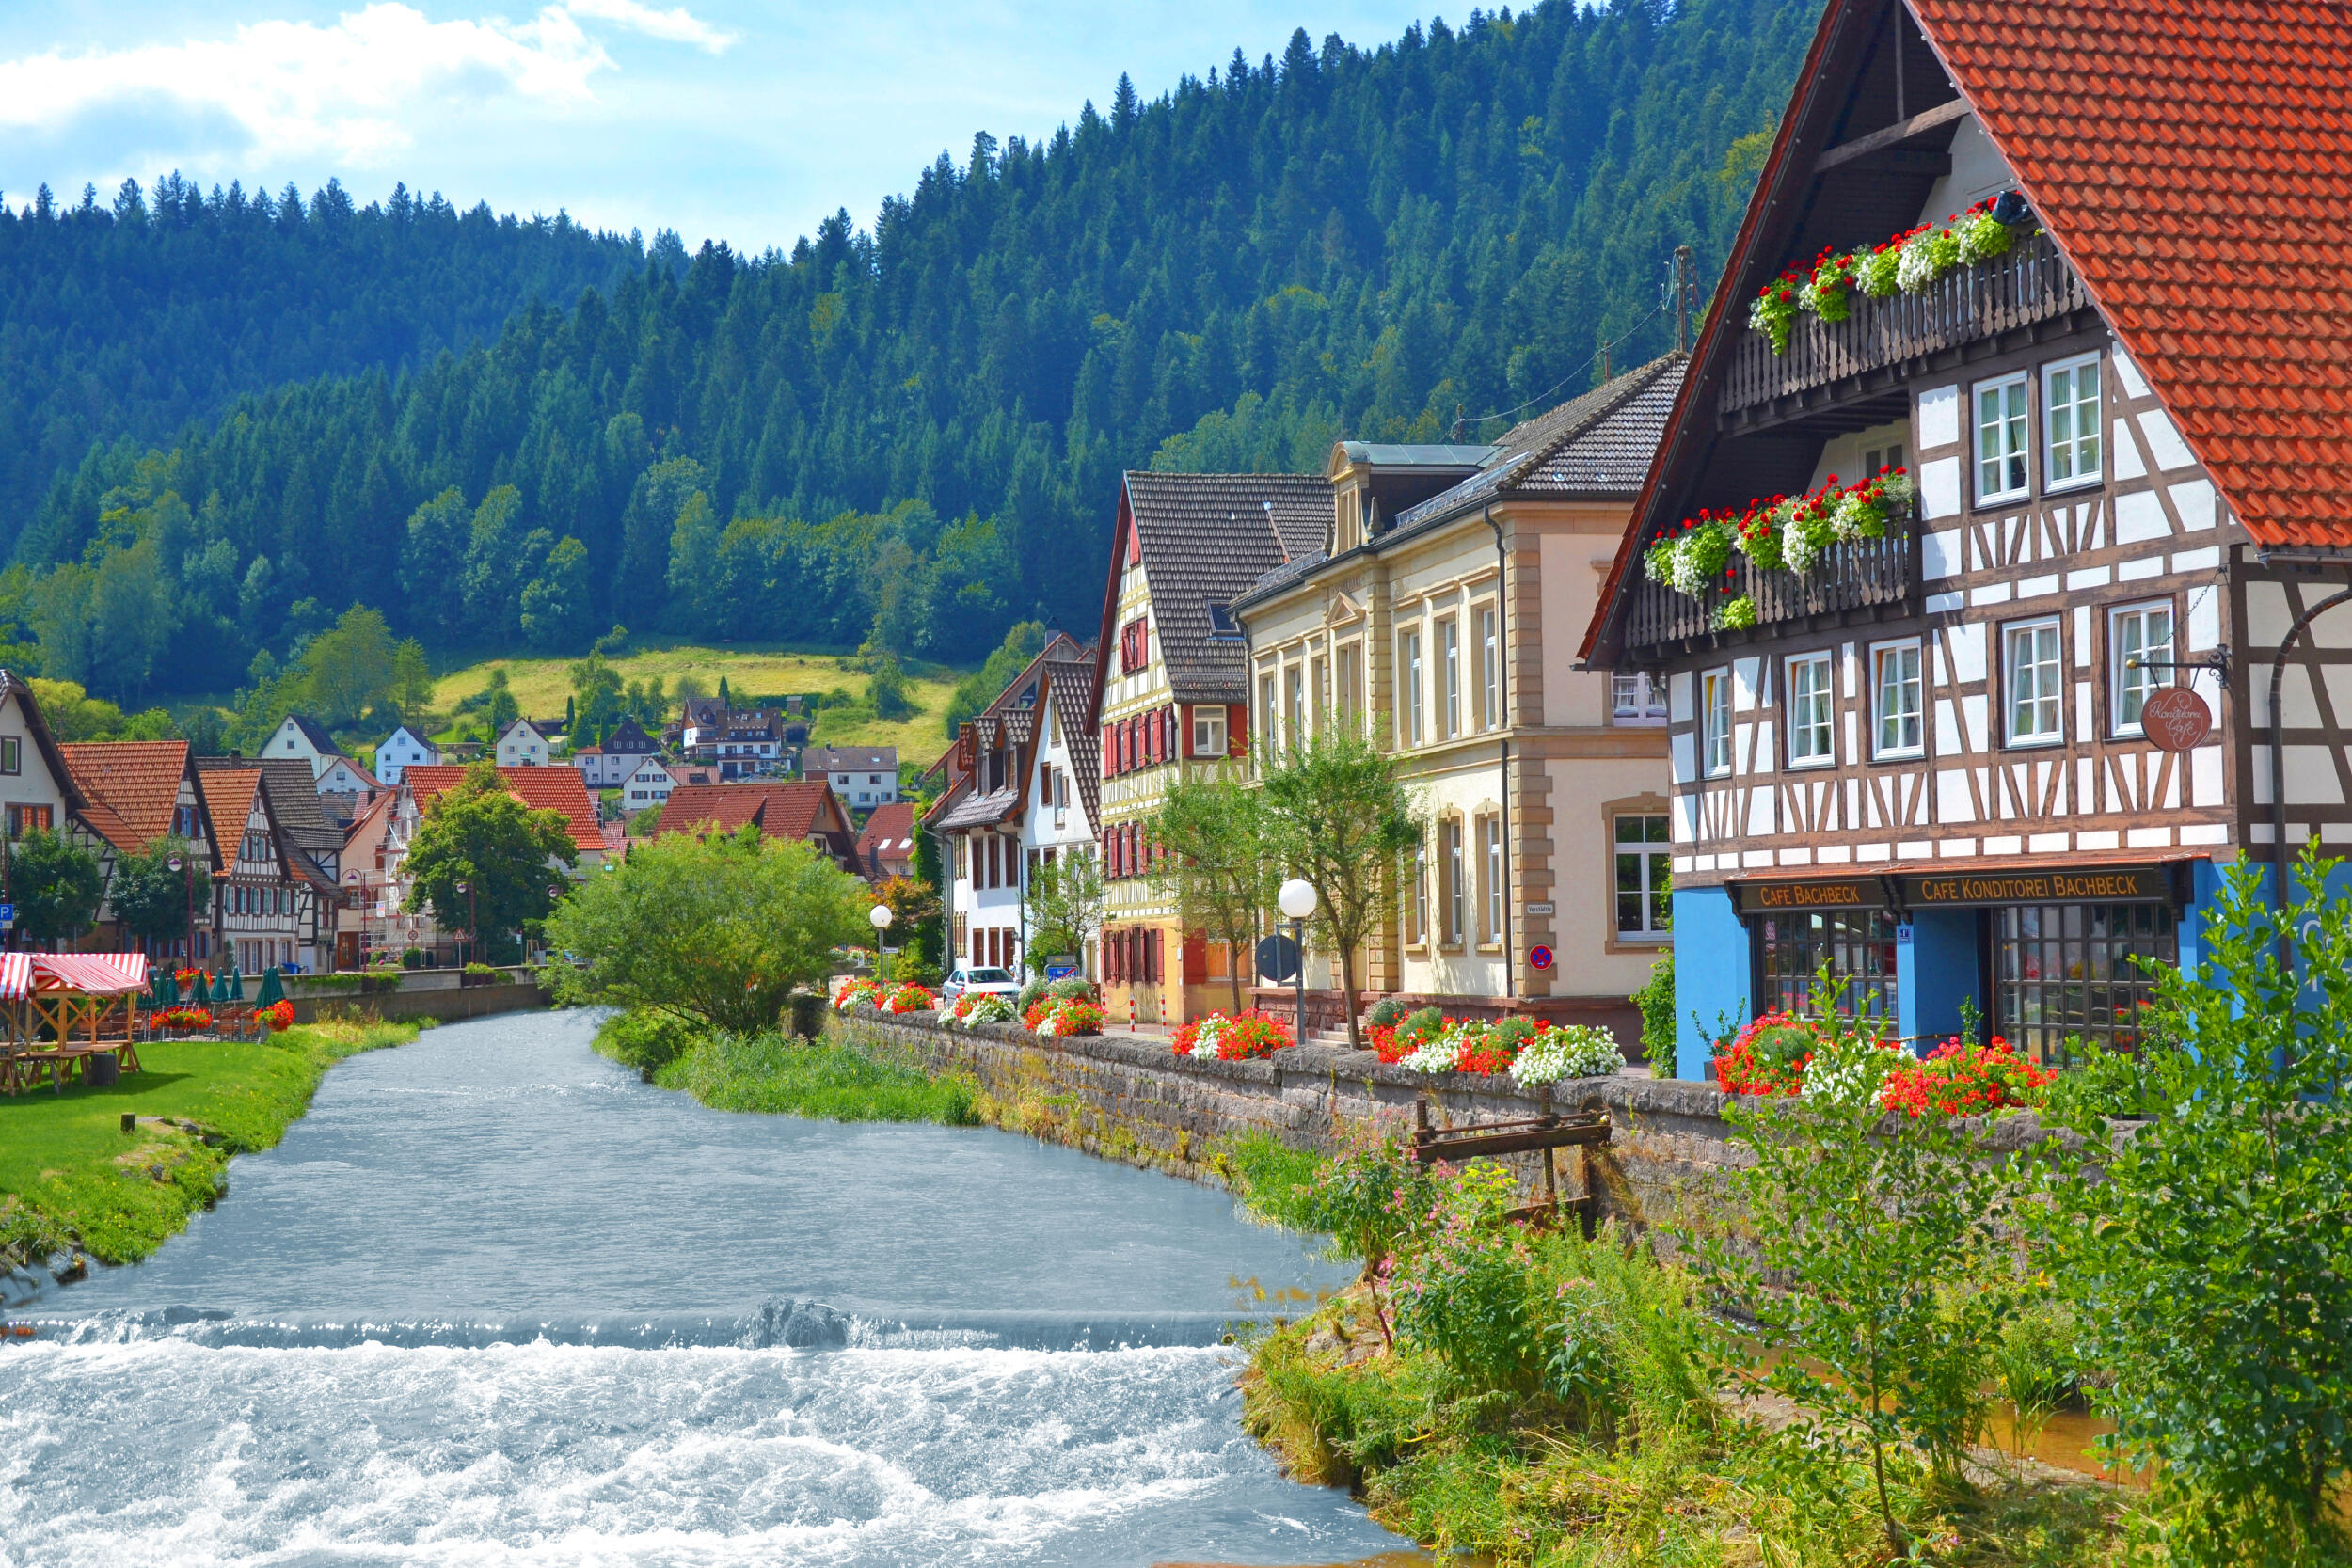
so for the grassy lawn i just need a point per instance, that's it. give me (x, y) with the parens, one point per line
(541, 684)
(70, 1176)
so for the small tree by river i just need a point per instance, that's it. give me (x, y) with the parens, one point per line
(483, 860)
(717, 931)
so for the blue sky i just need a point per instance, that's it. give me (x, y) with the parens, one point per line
(724, 119)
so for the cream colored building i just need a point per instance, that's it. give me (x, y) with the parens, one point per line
(1443, 612)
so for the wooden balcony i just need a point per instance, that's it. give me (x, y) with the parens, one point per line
(1983, 303)
(1868, 580)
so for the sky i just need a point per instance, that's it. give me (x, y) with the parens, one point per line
(720, 119)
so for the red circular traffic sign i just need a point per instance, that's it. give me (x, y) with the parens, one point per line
(1540, 956)
(2176, 719)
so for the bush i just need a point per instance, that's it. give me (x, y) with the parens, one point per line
(484, 971)
(1387, 1013)
(1466, 1289)
(1511, 1035)
(1420, 1028)
(1031, 994)
(1657, 1000)
(835, 1082)
(1073, 988)
(645, 1039)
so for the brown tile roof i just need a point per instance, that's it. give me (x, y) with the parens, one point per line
(1071, 684)
(1205, 538)
(131, 787)
(889, 834)
(229, 801)
(778, 810)
(2193, 160)
(557, 789)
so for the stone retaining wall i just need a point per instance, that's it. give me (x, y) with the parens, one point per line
(1136, 1101)
(446, 1004)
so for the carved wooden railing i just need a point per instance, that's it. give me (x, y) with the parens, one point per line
(1863, 574)
(2031, 283)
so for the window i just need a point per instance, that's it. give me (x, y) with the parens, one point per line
(2070, 417)
(2142, 641)
(1715, 722)
(1351, 693)
(1810, 720)
(1135, 647)
(2001, 439)
(1408, 712)
(1489, 670)
(1645, 898)
(1265, 711)
(1319, 686)
(1294, 707)
(1878, 460)
(1457, 898)
(1208, 732)
(2067, 971)
(12, 755)
(1637, 699)
(1418, 925)
(1897, 697)
(1858, 945)
(1450, 678)
(2032, 662)
(1490, 858)
(1053, 725)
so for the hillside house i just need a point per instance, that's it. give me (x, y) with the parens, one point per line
(403, 748)
(521, 744)
(300, 736)
(648, 784)
(863, 776)
(810, 812)
(885, 846)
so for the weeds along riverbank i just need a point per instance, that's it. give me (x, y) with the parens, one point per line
(780, 1074)
(71, 1178)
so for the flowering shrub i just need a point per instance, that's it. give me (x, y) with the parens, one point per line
(1958, 1079)
(185, 1018)
(1691, 559)
(909, 998)
(1466, 1045)
(1848, 1065)
(978, 1007)
(1908, 263)
(1466, 1290)
(1063, 1016)
(1769, 1056)
(1253, 1034)
(855, 991)
(277, 1015)
(187, 976)
(1571, 1051)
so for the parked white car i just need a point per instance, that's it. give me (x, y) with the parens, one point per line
(980, 982)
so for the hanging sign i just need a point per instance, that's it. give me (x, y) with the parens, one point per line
(2176, 719)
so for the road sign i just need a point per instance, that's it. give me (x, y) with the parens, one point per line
(1546, 907)
(1277, 960)
(8, 916)
(2176, 719)
(1060, 971)
(1540, 956)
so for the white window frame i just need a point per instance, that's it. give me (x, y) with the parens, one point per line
(1490, 857)
(1293, 704)
(2072, 448)
(1455, 870)
(1489, 668)
(2124, 684)
(1715, 722)
(1408, 712)
(1816, 689)
(1266, 710)
(2012, 667)
(1208, 722)
(2016, 428)
(1450, 675)
(1637, 698)
(1648, 852)
(1881, 749)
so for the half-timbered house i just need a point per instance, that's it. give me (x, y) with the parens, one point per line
(1956, 758)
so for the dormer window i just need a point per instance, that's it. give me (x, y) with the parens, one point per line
(1222, 626)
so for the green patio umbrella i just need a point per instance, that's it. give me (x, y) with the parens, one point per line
(273, 989)
(232, 988)
(219, 989)
(162, 990)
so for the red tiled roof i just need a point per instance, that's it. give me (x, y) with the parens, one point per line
(132, 787)
(557, 789)
(779, 809)
(229, 801)
(2193, 159)
(889, 832)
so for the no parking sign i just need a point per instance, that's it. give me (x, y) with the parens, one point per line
(1540, 955)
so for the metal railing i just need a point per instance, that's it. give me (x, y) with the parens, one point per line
(2031, 283)
(1860, 575)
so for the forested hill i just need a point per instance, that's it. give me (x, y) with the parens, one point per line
(917, 431)
(134, 317)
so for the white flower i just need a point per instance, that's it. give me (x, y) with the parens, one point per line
(1798, 548)
(1849, 1071)
(1688, 578)
(1917, 267)
(1575, 1051)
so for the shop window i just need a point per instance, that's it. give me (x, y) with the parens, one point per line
(2069, 972)
(1858, 945)
(1644, 859)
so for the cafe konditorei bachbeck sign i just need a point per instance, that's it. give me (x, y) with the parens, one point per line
(2100, 884)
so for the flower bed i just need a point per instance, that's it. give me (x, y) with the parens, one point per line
(1784, 534)
(1962, 1080)
(977, 1007)
(1769, 1056)
(184, 1020)
(1063, 1016)
(855, 991)
(1251, 1035)
(277, 1015)
(1908, 263)
(909, 998)
(1532, 1053)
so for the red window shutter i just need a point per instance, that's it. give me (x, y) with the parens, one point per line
(1152, 951)
(1196, 958)
(1168, 733)
(1236, 730)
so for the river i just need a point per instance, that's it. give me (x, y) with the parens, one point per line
(493, 1301)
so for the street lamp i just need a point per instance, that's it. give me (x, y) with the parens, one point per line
(880, 916)
(187, 881)
(1297, 902)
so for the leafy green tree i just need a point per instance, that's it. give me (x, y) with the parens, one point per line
(54, 883)
(1065, 908)
(1212, 830)
(887, 690)
(599, 698)
(556, 607)
(717, 931)
(481, 833)
(499, 706)
(412, 681)
(133, 614)
(1337, 817)
(435, 544)
(349, 668)
(982, 687)
(2206, 1243)
(152, 899)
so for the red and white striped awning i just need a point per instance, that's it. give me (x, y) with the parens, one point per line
(88, 974)
(16, 976)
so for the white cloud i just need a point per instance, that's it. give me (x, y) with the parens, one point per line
(354, 90)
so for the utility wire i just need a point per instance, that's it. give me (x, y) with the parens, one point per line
(1625, 337)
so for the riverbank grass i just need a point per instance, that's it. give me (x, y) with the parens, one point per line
(70, 1176)
(826, 1079)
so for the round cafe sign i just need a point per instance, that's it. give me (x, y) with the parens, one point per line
(2176, 719)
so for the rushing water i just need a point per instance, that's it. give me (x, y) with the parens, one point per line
(494, 1302)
